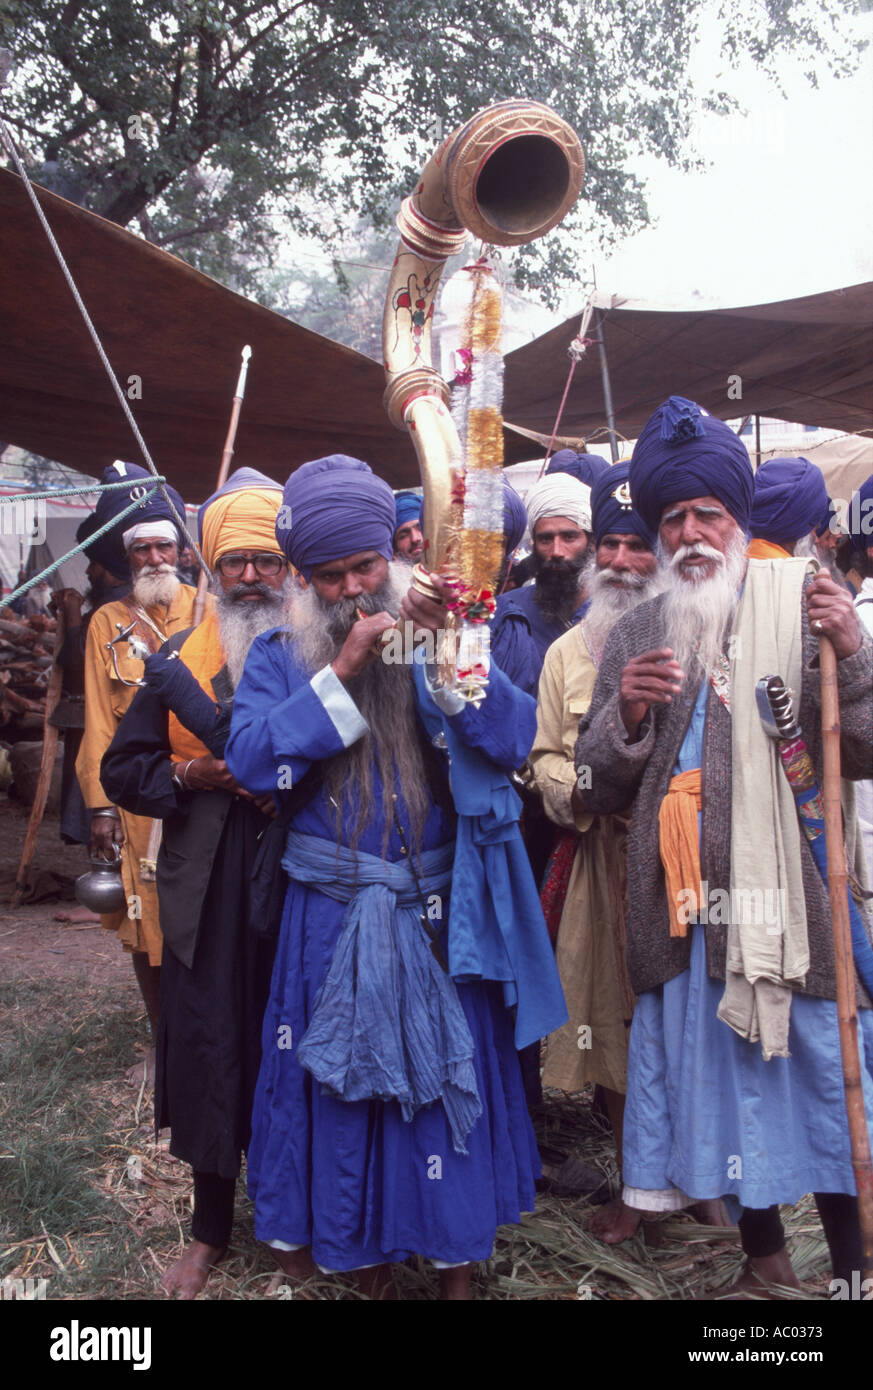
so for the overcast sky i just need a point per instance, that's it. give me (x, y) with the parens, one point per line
(785, 209)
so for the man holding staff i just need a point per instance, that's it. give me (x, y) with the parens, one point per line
(734, 1071)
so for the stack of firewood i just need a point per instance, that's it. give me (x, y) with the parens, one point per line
(25, 667)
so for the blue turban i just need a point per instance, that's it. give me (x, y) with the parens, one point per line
(612, 511)
(107, 551)
(514, 517)
(859, 518)
(829, 520)
(112, 504)
(333, 507)
(790, 496)
(683, 453)
(586, 467)
(407, 507)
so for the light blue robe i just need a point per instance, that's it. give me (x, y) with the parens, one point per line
(706, 1115)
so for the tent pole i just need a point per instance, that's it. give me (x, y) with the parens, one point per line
(757, 442)
(607, 390)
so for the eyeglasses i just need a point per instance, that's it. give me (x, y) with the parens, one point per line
(232, 566)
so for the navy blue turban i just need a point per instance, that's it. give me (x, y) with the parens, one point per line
(860, 516)
(612, 511)
(107, 551)
(111, 504)
(829, 520)
(790, 496)
(407, 507)
(514, 518)
(683, 453)
(333, 507)
(586, 467)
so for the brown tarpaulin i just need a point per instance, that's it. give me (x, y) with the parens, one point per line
(807, 360)
(182, 334)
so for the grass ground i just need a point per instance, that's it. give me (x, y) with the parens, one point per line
(94, 1206)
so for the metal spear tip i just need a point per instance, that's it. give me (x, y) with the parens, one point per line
(246, 353)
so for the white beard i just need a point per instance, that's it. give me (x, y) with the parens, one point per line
(613, 593)
(241, 621)
(698, 607)
(156, 584)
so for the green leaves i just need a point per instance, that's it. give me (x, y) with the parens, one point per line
(210, 123)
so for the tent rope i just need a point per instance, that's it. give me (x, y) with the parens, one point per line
(575, 352)
(122, 399)
(50, 569)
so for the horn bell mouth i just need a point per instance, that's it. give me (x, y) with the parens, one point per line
(514, 174)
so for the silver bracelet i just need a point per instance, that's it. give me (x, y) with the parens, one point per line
(107, 811)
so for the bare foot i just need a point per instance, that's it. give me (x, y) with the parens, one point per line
(377, 1283)
(455, 1283)
(615, 1222)
(143, 1071)
(296, 1264)
(78, 914)
(711, 1212)
(187, 1278)
(759, 1276)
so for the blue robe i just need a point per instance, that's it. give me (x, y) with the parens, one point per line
(706, 1116)
(353, 1180)
(521, 636)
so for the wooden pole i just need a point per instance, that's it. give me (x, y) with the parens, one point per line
(859, 1136)
(46, 762)
(227, 455)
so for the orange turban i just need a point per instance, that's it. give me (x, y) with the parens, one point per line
(240, 516)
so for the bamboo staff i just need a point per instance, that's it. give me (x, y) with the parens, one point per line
(46, 763)
(227, 455)
(859, 1137)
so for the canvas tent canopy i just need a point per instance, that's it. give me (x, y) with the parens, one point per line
(180, 333)
(807, 360)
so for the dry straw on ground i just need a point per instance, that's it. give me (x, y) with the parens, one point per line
(99, 1209)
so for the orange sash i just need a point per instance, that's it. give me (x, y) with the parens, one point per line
(759, 549)
(203, 654)
(680, 846)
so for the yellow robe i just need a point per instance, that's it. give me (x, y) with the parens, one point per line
(106, 701)
(592, 1045)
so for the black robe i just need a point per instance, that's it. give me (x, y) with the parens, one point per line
(215, 971)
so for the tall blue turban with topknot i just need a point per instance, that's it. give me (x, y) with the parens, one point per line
(153, 507)
(790, 498)
(333, 507)
(684, 453)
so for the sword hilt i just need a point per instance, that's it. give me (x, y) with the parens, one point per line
(776, 708)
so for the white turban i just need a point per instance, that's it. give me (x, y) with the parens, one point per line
(152, 530)
(559, 494)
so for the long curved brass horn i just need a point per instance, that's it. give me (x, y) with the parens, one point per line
(507, 176)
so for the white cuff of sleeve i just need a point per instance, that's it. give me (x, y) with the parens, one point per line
(447, 701)
(665, 1199)
(339, 706)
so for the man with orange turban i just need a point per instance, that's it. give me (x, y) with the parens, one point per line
(167, 760)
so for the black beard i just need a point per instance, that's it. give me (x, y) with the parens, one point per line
(556, 589)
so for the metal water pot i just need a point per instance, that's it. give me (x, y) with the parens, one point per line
(101, 888)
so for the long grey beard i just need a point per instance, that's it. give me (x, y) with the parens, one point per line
(241, 621)
(698, 609)
(807, 549)
(156, 584)
(612, 594)
(383, 692)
